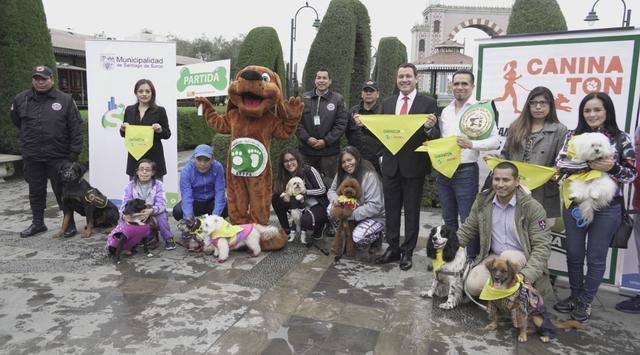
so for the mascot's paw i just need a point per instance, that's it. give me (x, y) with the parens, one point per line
(294, 108)
(206, 105)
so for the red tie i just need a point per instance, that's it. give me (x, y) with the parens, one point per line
(405, 105)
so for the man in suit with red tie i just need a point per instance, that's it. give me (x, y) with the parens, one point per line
(403, 174)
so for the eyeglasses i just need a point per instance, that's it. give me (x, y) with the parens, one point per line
(542, 103)
(145, 169)
(287, 161)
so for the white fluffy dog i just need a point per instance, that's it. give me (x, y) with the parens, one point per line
(295, 189)
(597, 193)
(250, 237)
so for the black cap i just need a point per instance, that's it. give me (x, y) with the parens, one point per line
(370, 84)
(42, 71)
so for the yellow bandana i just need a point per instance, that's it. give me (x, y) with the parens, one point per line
(532, 176)
(438, 261)
(393, 130)
(490, 293)
(589, 175)
(138, 140)
(445, 154)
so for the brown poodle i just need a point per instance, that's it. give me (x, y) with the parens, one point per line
(348, 191)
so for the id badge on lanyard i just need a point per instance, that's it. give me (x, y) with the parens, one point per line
(316, 117)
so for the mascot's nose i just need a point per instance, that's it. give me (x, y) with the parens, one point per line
(251, 75)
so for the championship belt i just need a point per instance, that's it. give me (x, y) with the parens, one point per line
(478, 120)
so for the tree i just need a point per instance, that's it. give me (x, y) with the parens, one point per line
(391, 54)
(343, 46)
(262, 47)
(535, 16)
(210, 49)
(25, 42)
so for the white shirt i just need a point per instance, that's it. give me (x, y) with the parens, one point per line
(450, 126)
(411, 96)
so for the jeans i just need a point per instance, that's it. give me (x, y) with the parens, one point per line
(593, 242)
(456, 198)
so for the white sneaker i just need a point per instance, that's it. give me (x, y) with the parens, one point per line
(304, 237)
(292, 236)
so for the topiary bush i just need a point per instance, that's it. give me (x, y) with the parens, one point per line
(536, 16)
(390, 55)
(262, 47)
(24, 43)
(343, 46)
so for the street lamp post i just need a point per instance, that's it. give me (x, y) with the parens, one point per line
(316, 24)
(592, 17)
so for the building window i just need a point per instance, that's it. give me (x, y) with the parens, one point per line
(436, 26)
(421, 45)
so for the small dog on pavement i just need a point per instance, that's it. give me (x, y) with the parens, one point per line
(219, 237)
(127, 236)
(349, 191)
(448, 261)
(597, 193)
(295, 189)
(78, 196)
(507, 292)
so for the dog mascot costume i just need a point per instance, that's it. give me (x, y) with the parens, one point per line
(256, 112)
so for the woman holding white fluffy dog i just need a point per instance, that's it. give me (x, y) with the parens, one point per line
(369, 213)
(315, 200)
(596, 114)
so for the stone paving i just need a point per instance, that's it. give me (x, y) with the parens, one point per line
(66, 296)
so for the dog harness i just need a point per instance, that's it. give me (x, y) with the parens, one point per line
(134, 233)
(344, 201)
(234, 239)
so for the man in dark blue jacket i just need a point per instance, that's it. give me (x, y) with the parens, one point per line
(50, 133)
(201, 186)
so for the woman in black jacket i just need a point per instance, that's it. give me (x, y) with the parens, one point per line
(146, 113)
(314, 216)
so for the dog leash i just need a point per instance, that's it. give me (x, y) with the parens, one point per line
(467, 271)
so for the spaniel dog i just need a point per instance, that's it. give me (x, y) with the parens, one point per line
(524, 305)
(597, 193)
(448, 266)
(348, 192)
(295, 189)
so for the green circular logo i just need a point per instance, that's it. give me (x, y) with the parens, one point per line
(249, 157)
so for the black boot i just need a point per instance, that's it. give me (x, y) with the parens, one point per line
(33, 229)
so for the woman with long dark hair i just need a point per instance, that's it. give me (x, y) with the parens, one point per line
(369, 215)
(314, 216)
(147, 113)
(536, 137)
(596, 114)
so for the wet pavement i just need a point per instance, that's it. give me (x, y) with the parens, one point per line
(67, 296)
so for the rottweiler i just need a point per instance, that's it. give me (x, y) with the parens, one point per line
(78, 196)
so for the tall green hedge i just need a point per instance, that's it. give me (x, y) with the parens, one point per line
(342, 45)
(262, 47)
(391, 54)
(534, 16)
(24, 43)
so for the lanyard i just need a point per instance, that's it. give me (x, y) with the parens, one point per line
(318, 107)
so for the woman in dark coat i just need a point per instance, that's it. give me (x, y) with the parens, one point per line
(146, 113)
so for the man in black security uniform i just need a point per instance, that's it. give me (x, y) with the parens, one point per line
(50, 133)
(323, 123)
(357, 134)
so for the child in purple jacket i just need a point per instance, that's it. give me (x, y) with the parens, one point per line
(146, 187)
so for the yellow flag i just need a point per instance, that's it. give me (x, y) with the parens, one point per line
(532, 176)
(586, 176)
(393, 130)
(444, 154)
(138, 140)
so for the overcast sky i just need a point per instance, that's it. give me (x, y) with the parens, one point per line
(189, 19)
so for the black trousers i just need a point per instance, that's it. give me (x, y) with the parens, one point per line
(402, 192)
(327, 166)
(36, 174)
(199, 208)
(313, 218)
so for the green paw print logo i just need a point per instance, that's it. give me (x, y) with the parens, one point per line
(217, 78)
(114, 115)
(248, 157)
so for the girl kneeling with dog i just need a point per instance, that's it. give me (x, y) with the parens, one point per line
(368, 215)
(144, 186)
(314, 216)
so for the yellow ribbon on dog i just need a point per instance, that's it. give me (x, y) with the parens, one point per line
(226, 230)
(586, 176)
(438, 261)
(490, 293)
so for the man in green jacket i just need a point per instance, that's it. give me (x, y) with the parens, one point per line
(511, 224)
